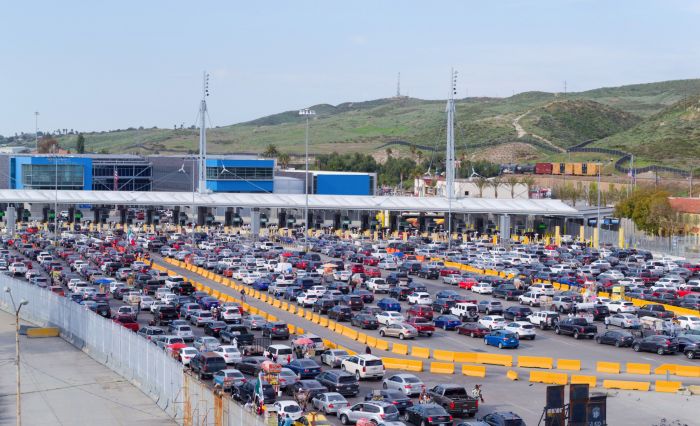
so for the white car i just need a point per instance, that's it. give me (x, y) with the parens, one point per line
(621, 306)
(17, 268)
(342, 275)
(363, 366)
(389, 317)
(493, 322)
(306, 299)
(291, 408)
(388, 264)
(186, 354)
(624, 320)
(408, 384)
(378, 285)
(689, 322)
(542, 289)
(229, 353)
(420, 298)
(317, 290)
(523, 329)
(231, 314)
(146, 302)
(532, 299)
(174, 280)
(482, 288)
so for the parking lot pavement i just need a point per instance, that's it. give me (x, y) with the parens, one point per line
(62, 385)
(547, 343)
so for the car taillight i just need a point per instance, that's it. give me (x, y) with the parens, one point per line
(408, 387)
(450, 418)
(364, 369)
(452, 405)
(382, 415)
(330, 405)
(430, 419)
(668, 343)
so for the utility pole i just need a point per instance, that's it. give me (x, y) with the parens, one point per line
(398, 86)
(450, 155)
(307, 113)
(18, 397)
(36, 130)
(203, 135)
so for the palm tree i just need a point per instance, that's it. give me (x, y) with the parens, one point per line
(419, 156)
(495, 183)
(271, 151)
(283, 160)
(512, 182)
(530, 182)
(481, 183)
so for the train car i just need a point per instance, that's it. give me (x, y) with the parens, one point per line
(578, 169)
(569, 169)
(543, 168)
(558, 168)
(592, 169)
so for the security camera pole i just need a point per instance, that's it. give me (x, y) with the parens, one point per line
(18, 396)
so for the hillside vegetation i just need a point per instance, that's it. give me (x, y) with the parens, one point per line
(625, 117)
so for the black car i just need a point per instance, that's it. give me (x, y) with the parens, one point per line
(365, 321)
(205, 364)
(371, 310)
(340, 313)
(164, 315)
(392, 396)
(686, 340)
(427, 415)
(656, 343)
(250, 365)
(517, 313)
(237, 333)
(503, 418)
(400, 293)
(428, 272)
(310, 386)
(214, 328)
(366, 295)
(305, 368)
(417, 287)
(102, 309)
(246, 392)
(354, 302)
(411, 268)
(339, 381)
(276, 330)
(395, 277)
(340, 286)
(692, 351)
(322, 306)
(442, 305)
(618, 338)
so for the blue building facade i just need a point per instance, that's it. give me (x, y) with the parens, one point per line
(50, 172)
(240, 175)
(343, 183)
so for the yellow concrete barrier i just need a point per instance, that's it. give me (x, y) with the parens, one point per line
(549, 378)
(284, 306)
(583, 380)
(394, 363)
(42, 332)
(687, 371)
(323, 322)
(309, 315)
(442, 355)
(276, 303)
(216, 293)
(300, 331)
(315, 318)
(292, 328)
(626, 385)
(512, 375)
(419, 352)
(329, 344)
(361, 337)
(350, 333)
(339, 328)
(442, 367)
(301, 312)
(535, 362)
(667, 387)
(292, 309)
(569, 364)
(474, 370)
(371, 342)
(495, 359)
(263, 297)
(271, 318)
(399, 348)
(382, 345)
(472, 357)
(664, 368)
(636, 368)
(414, 365)
(608, 367)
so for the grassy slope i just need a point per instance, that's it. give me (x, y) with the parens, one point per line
(365, 126)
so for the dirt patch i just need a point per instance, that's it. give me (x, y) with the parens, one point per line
(515, 152)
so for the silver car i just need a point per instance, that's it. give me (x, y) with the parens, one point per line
(400, 330)
(254, 322)
(334, 357)
(409, 384)
(206, 344)
(329, 402)
(375, 411)
(623, 320)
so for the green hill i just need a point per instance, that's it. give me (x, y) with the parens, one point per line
(569, 122)
(483, 125)
(671, 136)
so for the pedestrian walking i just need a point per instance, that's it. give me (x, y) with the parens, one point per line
(476, 393)
(368, 350)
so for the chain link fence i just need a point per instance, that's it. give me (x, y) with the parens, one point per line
(187, 400)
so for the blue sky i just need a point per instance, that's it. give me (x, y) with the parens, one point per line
(91, 66)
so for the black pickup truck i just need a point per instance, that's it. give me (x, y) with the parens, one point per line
(237, 333)
(507, 292)
(454, 399)
(577, 327)
(653, 310)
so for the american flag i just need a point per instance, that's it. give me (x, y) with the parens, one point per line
(116, 179)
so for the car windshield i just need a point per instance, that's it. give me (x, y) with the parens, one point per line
(434, 411)
(456, 392)
(390, 409)
(579, 321)
(373, 362)
(346, 379)
(332, 397)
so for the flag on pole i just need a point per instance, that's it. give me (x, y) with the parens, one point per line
(116, 180)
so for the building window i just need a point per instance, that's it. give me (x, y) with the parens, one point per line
(239, 173)
(466, 193)
(52, 176)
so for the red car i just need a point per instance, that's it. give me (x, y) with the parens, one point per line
(127, 321)
(58, 290)
(473, 329)
(373, 273)
(424, 326)
(421, 311)
(357, 269)
(447, 271)
(468, 283)
(370, 261)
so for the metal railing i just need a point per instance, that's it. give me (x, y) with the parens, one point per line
(187, 400)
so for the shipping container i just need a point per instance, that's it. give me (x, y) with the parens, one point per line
(558, 168)
(569, 169)
(543, 168)
(578, 169)
(593, 169)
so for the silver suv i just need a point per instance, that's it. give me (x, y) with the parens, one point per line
(375, 411)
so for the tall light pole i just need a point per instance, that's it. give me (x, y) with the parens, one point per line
(450, 154)
(18, 380)
(203, 135)
(306, 113)
(36, 130)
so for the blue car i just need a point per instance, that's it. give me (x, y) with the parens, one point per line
(305, 368)
(389, 304)
(447, 322)
(261, 285)
(208, 302)
(502, 339)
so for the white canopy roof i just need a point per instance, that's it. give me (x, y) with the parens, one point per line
(341, 202)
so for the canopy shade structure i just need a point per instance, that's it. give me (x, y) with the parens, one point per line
(544, 207)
